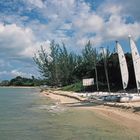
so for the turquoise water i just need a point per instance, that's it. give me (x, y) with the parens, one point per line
(25, 115)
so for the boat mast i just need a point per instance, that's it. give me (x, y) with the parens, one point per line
(105, 68)
(96, 73)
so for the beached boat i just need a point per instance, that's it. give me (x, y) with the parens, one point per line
(129, 98)
(136, 64)
(124, 74)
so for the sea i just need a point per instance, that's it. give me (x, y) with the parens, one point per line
(26, 115)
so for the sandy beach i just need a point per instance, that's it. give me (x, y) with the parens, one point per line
(120, 113)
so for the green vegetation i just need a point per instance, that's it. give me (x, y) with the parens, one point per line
(62, 68)
(77, 87)
(21, 81)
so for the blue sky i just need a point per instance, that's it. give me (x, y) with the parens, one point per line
(27, 24)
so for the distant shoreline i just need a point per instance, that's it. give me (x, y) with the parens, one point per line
(19, 87)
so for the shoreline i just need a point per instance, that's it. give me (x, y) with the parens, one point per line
(120, 113)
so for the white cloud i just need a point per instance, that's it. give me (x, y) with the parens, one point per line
(36, 3)
(129, 7)
(108, 8)
(106, 24)
(15, 73)
(18, 41)
(116, 28)
(72, 21)
(17, 47)
(89, 23)
(14, 38)
(116, 24)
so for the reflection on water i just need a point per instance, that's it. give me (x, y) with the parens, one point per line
(24, 115)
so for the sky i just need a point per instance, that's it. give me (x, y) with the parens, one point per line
(25, 25)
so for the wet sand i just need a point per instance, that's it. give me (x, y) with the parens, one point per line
(124, 116)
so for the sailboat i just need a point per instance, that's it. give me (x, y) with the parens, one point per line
(124, 72)
(136, 62)
(123, 65)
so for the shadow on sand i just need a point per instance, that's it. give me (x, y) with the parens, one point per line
(94, 104)
(82, 104)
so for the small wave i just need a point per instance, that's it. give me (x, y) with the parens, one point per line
(51, 108)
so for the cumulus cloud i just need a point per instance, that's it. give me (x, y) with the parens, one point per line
(17, 47)
(117, 28)
(74, 22)
(14, 39)
(37, 3)
(15, 73)
(118, 23)
(129, 7)
(17, 41)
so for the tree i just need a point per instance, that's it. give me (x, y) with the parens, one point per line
(60, 67)
(57, 66)
(67, 64)
(4, 83)
(41, 59)
(86, 62)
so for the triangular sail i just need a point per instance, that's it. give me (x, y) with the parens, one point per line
(123, 65)
(136, 61)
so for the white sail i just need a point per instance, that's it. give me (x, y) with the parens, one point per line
(123, 65)
(136, 61)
